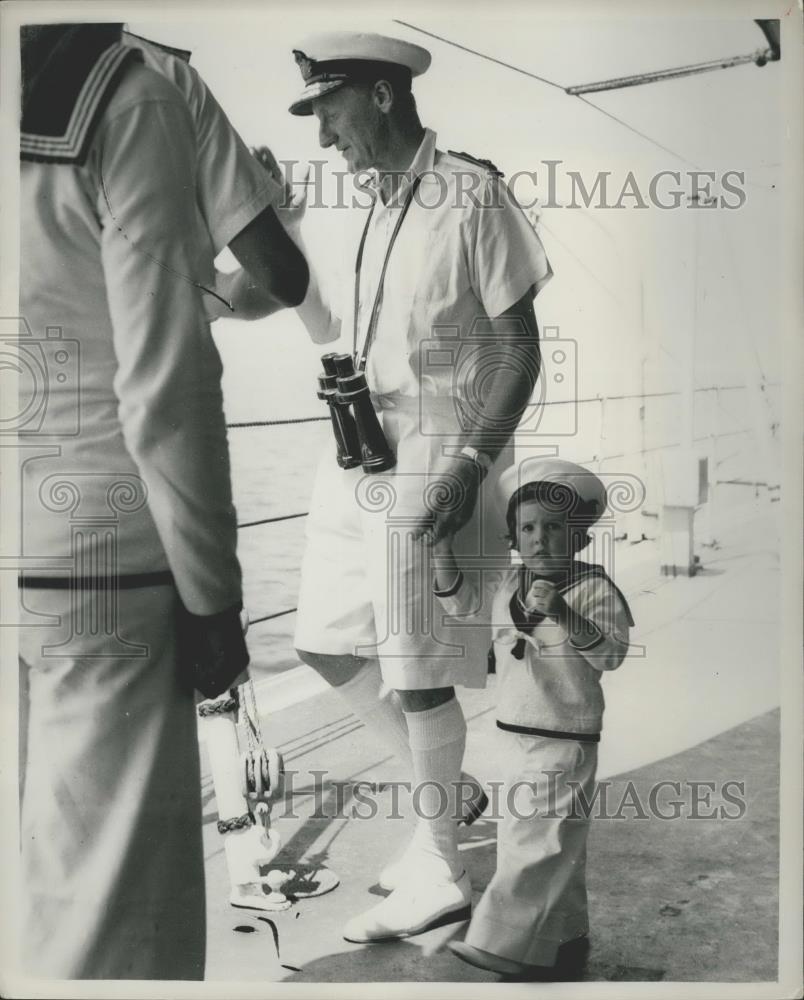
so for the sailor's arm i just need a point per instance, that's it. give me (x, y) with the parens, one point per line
(322, 324)
(274, 274)
(238, 199)
(168, 376)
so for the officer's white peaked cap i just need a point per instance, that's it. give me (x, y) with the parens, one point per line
(328, 60)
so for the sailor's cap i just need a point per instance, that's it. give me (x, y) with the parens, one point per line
(330, 59)
(562, 473)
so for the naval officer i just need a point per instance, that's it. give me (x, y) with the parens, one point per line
(442, 257)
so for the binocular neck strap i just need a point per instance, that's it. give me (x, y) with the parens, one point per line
(360, 365)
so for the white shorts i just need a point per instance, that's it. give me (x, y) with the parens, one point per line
(366, 586)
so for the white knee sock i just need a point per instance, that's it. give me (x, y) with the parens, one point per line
(437, 743)
(377, 708)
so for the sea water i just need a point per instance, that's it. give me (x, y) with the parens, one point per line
(270, 369)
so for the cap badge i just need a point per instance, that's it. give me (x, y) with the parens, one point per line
(305, 64)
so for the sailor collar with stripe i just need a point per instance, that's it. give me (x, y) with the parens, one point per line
(65, 91)
(524, 623)
(577, 572)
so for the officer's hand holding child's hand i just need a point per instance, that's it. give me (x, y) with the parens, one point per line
(544, 597)
(450, 499)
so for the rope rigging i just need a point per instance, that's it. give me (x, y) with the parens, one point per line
(275, 423)
(591, 399)
(770, 28)
(677, 72)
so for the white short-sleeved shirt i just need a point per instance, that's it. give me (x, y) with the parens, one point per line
(456, 263)
(115, 253)
(231, 187)
(465, 252)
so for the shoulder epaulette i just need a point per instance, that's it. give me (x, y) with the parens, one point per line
(486, 164)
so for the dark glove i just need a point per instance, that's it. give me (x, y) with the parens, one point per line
(212, 650)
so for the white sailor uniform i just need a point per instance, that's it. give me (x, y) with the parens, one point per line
(459, 259)
(135, 481)
(549, 710)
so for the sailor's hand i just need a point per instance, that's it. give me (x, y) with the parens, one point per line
(544, 597)
(213, 651)
(449, 500)
(290, 210)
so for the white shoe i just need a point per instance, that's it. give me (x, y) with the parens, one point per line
(401, 869)
(413, 909)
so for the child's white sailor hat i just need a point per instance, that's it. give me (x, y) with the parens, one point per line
(330, 59)
(585, 484)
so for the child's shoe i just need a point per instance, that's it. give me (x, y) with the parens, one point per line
(485, 959)
(569, 965)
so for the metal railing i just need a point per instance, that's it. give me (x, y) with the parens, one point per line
(584, 401)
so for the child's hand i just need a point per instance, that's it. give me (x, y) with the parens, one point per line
(445, 568)
(544, 597)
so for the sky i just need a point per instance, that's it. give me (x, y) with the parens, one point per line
(640, 291)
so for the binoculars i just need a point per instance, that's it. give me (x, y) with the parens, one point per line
(359, 437)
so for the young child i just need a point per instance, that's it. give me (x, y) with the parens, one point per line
(557, 624)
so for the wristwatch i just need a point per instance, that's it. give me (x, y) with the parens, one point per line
(480, 458)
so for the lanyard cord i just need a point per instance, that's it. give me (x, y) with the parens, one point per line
(375, 310)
